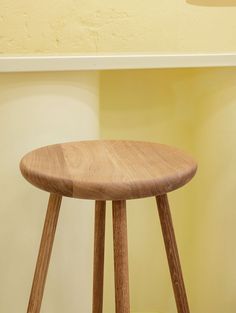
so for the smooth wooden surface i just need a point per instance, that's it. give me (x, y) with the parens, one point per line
(108, 170)
(120, 257)
(98, 260)
(172, 254)
(44, 254)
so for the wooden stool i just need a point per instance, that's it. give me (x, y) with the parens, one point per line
(108, 170)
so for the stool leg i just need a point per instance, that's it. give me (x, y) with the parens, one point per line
(172, 254)
(44, 254)
(98, 261)
(121, 257)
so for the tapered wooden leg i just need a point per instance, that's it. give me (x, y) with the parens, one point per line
(121, 257)
(172, 254)
(98, 261)
(44, 253)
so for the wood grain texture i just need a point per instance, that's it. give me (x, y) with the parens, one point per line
(98, 260)
(172, 254)
(108, 170)
(120, 257)
(44, 254)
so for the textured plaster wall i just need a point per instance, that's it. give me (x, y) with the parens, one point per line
(72, 26)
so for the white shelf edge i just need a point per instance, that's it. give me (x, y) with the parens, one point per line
(113, 61)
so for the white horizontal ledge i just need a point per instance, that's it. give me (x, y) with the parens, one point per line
(113, 61)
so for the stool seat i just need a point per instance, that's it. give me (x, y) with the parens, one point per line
(108, 169)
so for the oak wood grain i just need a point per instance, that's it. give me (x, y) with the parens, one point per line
(44, 253)
(108, 170)
(98, 260)
(172, 254)
(120, 257)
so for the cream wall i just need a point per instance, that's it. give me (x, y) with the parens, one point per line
(196, 110)
(193, 109)
(72, 26)
(37, 109)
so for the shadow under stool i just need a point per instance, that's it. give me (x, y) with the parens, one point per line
(108, 170)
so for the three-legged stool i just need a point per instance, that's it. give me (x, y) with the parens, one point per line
(108, 170)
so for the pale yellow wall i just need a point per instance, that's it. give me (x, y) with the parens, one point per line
(37, 109)
(71, 26)
(194, 109)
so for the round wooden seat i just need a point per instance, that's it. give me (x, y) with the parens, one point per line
(108, 170)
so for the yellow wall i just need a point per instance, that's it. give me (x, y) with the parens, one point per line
(193, 109)
(72, 26)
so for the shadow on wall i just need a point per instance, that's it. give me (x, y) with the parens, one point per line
(213, 3)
